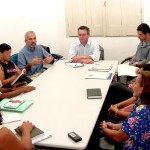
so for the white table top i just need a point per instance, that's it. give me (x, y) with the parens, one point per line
(61, 105)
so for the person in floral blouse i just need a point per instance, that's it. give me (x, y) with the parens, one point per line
(135, 130)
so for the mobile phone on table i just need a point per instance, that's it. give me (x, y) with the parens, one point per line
(14, 103)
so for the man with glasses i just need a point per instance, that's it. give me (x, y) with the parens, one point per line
(84, 50)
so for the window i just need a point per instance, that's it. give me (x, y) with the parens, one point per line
(104, 17)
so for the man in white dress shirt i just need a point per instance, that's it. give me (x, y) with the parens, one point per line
(84, 50)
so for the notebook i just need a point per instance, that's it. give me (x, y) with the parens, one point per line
(37, 134)
(94, 93)
(22, 72)
(25, 105)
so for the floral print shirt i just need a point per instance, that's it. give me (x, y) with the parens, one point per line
(137, 126)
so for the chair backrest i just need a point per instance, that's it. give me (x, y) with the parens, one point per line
(14, 58)
(46, 48)
(101, 53)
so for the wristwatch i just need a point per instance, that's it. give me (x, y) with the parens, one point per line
(84, 57)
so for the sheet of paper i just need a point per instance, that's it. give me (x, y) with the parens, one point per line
(11, 117)
(102, 66)
(42, 137)
(127, 70)
(22, 72)
(97, 75)
(75, 65)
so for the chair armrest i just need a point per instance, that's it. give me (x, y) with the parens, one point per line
(127, 59)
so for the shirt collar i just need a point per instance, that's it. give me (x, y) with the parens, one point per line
(88, 42)
(147, 44)
(30, 48)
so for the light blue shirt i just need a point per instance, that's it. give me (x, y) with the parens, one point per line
(27, 54)
(142, 53)
(90, 49)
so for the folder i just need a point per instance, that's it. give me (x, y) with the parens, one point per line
(21, 108)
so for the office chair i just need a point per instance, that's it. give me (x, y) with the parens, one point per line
(55, 56)
(46, 48)
(127, 60)
(14, 58)
(101, 53)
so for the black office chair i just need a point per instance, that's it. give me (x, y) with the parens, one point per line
(101, 53)
(55, 56)
(126, 59)
(46, 48)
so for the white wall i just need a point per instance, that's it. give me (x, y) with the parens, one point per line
(47, 19)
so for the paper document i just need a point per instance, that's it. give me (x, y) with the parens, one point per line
(127, 70)
(11, 117)
(102, 67)
(22, 72)
(42, 137)
(98, 75)
(75, 65)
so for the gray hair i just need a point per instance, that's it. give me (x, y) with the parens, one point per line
(27, 33)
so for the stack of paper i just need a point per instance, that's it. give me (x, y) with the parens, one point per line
(106, 67)
(75, 65)
(126, 70)
(11, 117)
(98, 75)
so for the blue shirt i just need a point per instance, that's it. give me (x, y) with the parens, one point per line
(142, 53)
(27, 54)
(90, 49)
(137, 127)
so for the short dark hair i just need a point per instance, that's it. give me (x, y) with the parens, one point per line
(144, 28)
(4, 47)
(84, 28)
(146, 67)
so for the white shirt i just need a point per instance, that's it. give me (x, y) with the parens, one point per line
(90, 49)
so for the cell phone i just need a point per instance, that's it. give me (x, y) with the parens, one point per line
(74, 136)
(14, 103)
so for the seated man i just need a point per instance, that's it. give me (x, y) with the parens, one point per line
(84, 50)
(33, 56)
(142, 55)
